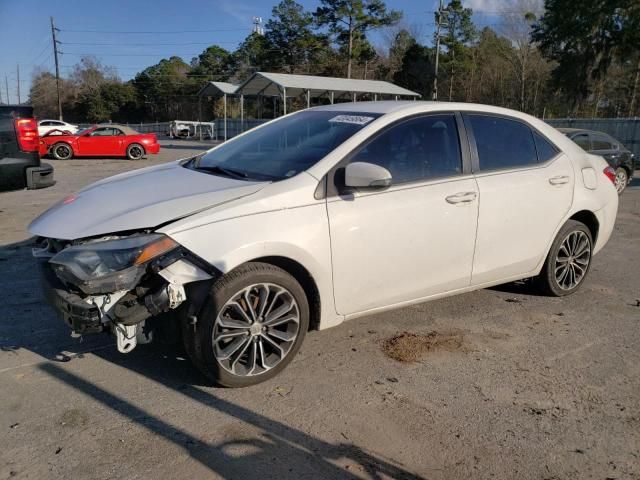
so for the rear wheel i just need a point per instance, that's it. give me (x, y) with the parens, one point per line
(568, 261)
(135, 151)
(62, 151)
(621, 180)
(250, 327)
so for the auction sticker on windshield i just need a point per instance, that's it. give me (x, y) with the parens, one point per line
(354, 119)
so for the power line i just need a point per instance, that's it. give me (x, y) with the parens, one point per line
(161, 32)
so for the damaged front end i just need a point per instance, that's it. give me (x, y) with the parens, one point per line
(117, 282)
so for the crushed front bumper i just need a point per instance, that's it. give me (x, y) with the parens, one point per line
(81, 316)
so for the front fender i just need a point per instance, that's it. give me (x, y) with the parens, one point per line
(300, 234)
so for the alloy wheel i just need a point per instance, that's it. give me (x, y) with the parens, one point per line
(572, 260)
(62, 151)
(135, 152)
(621, 180)
(255, 330)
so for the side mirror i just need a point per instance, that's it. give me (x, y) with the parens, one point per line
(366, 175)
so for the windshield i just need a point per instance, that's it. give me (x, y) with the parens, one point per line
(283, 148)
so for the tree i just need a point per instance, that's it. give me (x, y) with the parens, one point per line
(416, 70)
(43, 96)
(349, 20)
(214, 62)
(253, 54)
(586, 40)
(295, 47)
(166, 89)
(457, 33)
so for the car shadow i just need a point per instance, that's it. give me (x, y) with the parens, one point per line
(521, 287)
(27, 323)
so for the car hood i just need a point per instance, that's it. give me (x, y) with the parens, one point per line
(137, 200)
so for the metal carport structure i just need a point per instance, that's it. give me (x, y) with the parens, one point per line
(285, 85)
(218, 90)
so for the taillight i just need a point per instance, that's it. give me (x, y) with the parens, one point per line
(27, 131)
(611, 174)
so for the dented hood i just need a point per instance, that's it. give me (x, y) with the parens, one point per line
(137, 200)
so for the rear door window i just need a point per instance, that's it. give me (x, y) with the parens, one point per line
(583, 141)
(600, 142)
(544, 148)
(502, 143)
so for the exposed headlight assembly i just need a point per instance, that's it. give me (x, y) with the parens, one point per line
(110, 265)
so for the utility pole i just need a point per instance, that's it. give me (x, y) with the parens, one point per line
(18, 85)
(6, 88)
(440, 15)
(55, 55)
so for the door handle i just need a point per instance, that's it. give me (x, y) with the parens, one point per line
(462, 197)
(559, 180)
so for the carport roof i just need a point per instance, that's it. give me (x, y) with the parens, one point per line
(272, 84)
(217, 89)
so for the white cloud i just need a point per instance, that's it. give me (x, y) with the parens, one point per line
(497, 6)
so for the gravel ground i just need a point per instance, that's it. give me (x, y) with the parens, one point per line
(532, 388)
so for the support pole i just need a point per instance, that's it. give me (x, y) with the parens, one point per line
(55, 56)
(331, 97)
(375, 97)
(308, 99)
(434, 92)
(200, 114)
(284, 96)
(241, 113)
(354, 97)
(18, 85)
(225, 117)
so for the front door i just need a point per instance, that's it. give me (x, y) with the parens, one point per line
(415, 238)
(101, 141)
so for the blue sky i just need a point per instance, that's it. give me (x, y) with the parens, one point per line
(25, 32)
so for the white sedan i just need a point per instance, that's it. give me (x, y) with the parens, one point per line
(322, 216)
(46, 126)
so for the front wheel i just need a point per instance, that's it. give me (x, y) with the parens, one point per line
(135, 151)
(621, 180)
(568, 261)
(251, 326)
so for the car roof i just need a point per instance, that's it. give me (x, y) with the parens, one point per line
(397, 106)
(127, 130)
(582, 130)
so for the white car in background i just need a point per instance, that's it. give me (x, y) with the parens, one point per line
(322, 216)
(45, 126)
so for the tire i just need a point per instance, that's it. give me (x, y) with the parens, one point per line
(135, 151)
(559, 278)
(229, 347)
(621, 180)
(62, 151)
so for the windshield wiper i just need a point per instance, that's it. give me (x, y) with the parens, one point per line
(229, 172)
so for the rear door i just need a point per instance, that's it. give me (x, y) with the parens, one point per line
(526, 188)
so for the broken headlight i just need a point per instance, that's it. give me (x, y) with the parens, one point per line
(109, 265)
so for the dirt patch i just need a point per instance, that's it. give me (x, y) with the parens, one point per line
(411, 347)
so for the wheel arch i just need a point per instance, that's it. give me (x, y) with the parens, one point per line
(590, 220)
(304, 278)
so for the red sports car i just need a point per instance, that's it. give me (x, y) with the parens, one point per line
(109, 140)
